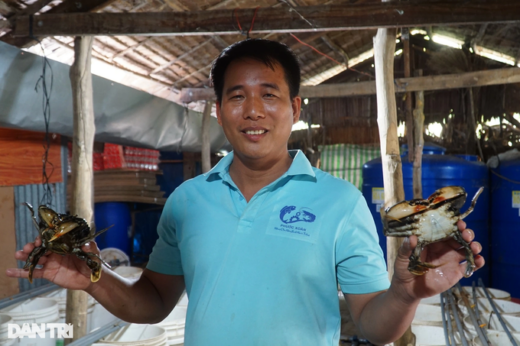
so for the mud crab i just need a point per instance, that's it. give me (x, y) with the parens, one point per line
(431, 220)
(63, 234)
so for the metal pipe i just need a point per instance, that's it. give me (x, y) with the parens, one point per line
(449, 320)
(444, 323)
(475, 301)
(481, 334)
(492, 303)
(457, 320)
(99, 333)
(21, 297)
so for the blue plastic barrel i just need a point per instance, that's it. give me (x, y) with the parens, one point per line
(438, 170)
(505, 227)
(173, 172)
(117, 214)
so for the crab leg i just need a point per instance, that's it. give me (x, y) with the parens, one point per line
(33, 259)
(403, 228)
(470, 266)
(417, 267)
(33, 217)
(400, 234)
(473, 203)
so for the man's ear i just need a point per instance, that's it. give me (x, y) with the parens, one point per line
(217, 106)
(297, 108)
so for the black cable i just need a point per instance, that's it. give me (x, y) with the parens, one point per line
(46, 107)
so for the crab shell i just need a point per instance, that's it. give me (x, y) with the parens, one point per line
(397, 214)
(48, 217)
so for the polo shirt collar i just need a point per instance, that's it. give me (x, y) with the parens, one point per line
(299, 166)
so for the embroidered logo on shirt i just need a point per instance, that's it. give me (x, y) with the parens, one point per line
(296, 223)
(287, 216)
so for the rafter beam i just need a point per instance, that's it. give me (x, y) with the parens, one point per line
(132, 48)
(442, 82)
(67, 6)
(180, 57)
(6, 10)
(268, 20)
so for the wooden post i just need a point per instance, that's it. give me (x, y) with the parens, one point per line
(82, 171)
(474, 123)
(384, 50)
(206, 143)
(405, 37)
(418, 125)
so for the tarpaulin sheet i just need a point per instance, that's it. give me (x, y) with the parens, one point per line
(122, 115)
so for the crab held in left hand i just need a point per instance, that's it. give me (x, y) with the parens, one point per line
(431, 220)
(63, 234)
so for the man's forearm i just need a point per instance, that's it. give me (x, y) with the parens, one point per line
(386, 317)
(132, 301)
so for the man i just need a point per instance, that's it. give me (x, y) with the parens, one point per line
(262, 240)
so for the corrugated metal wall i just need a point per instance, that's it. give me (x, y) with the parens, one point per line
(33, 194)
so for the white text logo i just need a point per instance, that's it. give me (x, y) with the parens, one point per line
(56, 330)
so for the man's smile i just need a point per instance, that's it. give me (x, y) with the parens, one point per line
(254, 133)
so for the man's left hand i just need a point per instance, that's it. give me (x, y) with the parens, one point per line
(447, 255)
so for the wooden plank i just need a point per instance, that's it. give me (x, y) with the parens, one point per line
(268, 20)
(439, 82)
(139, 193)
(67, 6)
(127, 188)
(8, 286)
(21, 158)
(135, 199)
(116, 173)
(119, 182)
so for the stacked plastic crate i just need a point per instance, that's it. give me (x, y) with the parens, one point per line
(120, 157)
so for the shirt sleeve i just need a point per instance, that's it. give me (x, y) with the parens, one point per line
(166, 256)
(360, 265)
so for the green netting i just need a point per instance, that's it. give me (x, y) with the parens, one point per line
(346, 161)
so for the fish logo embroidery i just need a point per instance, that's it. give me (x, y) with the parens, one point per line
(288, 215)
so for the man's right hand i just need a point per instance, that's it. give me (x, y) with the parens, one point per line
(147, 300)
(66, 271)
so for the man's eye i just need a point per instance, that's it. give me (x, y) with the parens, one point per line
(269, 95)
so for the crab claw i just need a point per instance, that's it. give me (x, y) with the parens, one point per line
(417, 267)
(95, 275)
(470, 268)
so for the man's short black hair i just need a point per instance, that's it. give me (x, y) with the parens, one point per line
(268, 52)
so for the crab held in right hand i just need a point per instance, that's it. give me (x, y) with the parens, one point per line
(431, 220)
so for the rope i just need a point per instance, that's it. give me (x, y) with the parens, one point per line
(505, 178)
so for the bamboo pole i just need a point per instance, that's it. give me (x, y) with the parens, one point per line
(405, 37)
(473, 122)
(82, 171)
(206, 144)
(384, 49)
(418, 125)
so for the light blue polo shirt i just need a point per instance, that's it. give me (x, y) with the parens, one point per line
(265, 272)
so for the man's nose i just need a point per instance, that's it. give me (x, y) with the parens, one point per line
(254, 108)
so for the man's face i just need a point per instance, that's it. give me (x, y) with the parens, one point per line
(257, 112)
